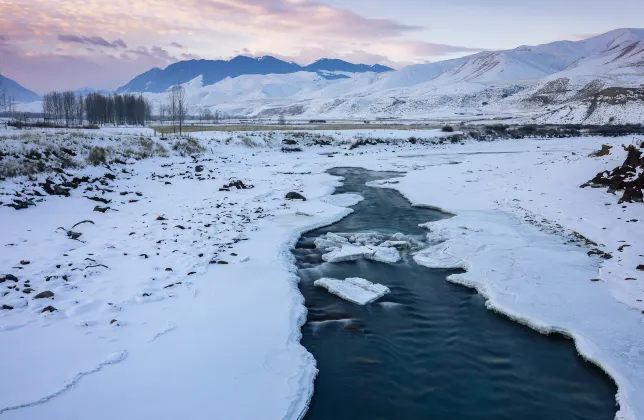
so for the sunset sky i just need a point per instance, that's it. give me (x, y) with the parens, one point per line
(61, 44)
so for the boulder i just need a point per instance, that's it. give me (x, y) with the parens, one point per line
(295, 196)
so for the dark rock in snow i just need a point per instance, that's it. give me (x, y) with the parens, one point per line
(48, 309)
(44, 295)
(295, 196)
(10, 277)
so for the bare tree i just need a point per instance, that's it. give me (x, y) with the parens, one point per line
(162, 113)
(207, 114)
(182, 106)
(3, 96)
(172, 107)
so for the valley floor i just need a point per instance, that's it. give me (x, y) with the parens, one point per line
(181, 300)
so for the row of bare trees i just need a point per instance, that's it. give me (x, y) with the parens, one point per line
(67, 108)
(63, 108)
(117, 109)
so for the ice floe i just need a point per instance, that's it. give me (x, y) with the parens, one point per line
(343, 200)
(348, 253)
(354, 289)
(365, 245)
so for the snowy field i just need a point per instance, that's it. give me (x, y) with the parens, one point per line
(180, 298)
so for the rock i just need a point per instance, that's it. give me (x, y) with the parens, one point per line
(199, 168)
(640, 267)
(161, 218)
(45, 294)
(7, 307)
(101, 209)
(27, 290)
(295, 196)
(113, 321)
(605, 150)
(48, 309)
(8, 277)
(222, 262)
(25, 262)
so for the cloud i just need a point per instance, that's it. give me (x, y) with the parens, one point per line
(581, 37)
(302, 17)
(176, 45)
(153, 52)
(43, 72)
(428, 49)
(92, 40)
(190, 57)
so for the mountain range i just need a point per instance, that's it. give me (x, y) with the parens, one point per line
(157, 80)
(596, 80)
(13, 89)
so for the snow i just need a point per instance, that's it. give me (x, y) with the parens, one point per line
(229, 333)
(384, 254)
(354, 289)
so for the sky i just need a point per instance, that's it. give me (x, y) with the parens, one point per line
(71, 44)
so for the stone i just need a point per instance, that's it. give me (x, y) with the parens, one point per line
(44, 295)
(295, 196)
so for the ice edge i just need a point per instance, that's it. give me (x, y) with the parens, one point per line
(624, 412)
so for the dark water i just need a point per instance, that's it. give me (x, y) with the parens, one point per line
(430, 349)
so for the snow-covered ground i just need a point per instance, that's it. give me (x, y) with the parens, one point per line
(181, 299)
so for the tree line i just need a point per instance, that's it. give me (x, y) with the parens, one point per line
(67, 108)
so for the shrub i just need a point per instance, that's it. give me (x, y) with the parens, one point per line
(188, 147)
(97, 155)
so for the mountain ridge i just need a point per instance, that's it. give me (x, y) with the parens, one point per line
(13, 89)
(596, 80)
(158, 80)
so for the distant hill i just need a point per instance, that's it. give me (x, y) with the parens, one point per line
(11, 88)
(212, 71)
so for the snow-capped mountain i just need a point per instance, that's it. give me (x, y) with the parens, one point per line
(13, 89)
(213, 71)
(597, 80)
